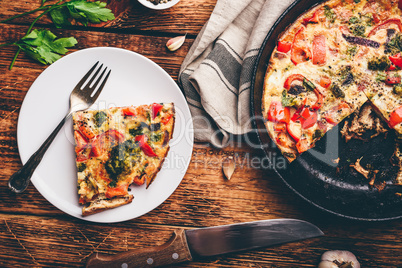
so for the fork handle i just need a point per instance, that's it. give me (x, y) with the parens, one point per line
(19, 181)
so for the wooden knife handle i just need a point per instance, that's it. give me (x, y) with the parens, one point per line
(173, 251)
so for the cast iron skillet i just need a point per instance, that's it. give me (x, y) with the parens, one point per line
(333, 187)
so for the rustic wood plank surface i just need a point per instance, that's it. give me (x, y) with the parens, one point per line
(33, 233)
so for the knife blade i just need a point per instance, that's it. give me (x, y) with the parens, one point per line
(186, 245)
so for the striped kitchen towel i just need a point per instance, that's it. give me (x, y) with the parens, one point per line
(216, 73)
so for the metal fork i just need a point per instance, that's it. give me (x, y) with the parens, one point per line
(80, 99)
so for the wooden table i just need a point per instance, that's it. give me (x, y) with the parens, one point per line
(35, 233)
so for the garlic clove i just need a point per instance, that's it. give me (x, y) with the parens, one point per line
(175, 43)
(327, 264)
(228, 167)
(341, 259)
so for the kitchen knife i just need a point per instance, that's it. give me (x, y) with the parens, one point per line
(185, 245)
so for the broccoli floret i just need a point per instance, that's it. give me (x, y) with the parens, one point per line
(379, 64)
(398, 90)
(337, 91)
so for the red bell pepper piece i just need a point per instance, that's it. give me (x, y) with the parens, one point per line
(330, 116)
(300, 52)
(385, 25)
(393, 80)
(294, 129)
(320, 100)
(139, 180)
(319, 49)
(396, 60)
(106, 139)
(400, 4)
(167, 119)
(83, 155)
(343, 105)
(156, 107)
(86, 132)
(117, 191)
(299, 77)
(128, 111)
(142, 141)
(80, 141)
(344, 29)
(321, 125)
(284, 140)
(112, 136)
(284, 47)
(312, 19)
(277, 113)
(392, 67)
(281, 127)
(302, 145)
(330, 119)
(308, 118)
(291, 79)
(97, 147)
(395, 117)
(325, 82)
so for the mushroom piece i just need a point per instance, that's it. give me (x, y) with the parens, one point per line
(368, 174)
(338, 259)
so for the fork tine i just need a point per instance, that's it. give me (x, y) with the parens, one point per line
(88, 85)
(82, 81)
(99, 79)
(102, 85)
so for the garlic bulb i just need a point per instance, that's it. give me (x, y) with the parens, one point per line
(338, 259)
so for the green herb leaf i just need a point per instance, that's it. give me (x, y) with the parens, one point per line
(367, 19)
(60, 16)
(81, 167)
(43, 46)
(351, 51)
(308, 85)
(61, 12)
(329, 13)
(354, 20)
(337, 91)
(318, 134)
(357, 1)
(289, 155)
(99, 118)
(381, 77)
(358, 30)
(82, 11)
(155, 137)
(135, 131)
(287, 101)
(397, 90)
(394, 46)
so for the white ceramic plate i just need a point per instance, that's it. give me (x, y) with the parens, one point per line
(148, 4)
(134, 80)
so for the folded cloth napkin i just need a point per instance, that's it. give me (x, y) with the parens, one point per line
(216, 73)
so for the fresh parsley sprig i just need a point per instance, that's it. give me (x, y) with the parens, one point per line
(42, 45)
(81, 11)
